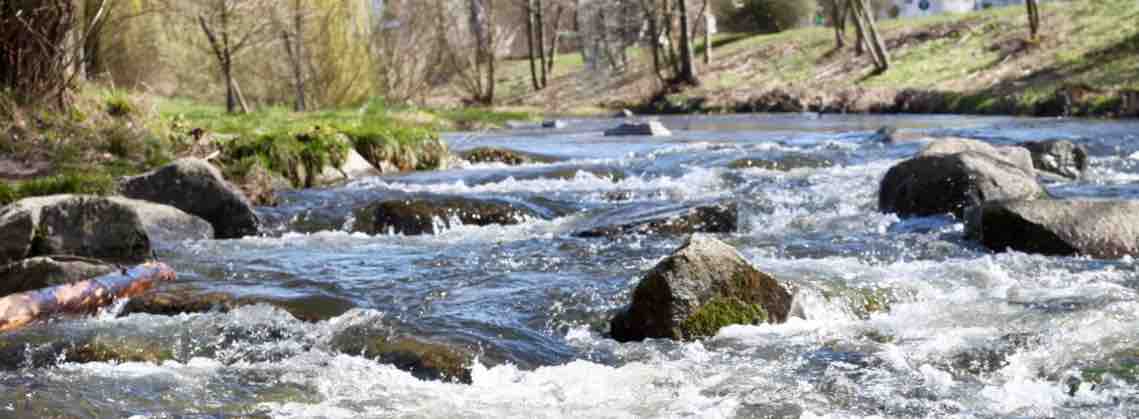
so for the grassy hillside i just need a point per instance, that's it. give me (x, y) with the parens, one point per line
(977, 62)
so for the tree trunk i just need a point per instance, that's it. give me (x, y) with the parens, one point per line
(530, 44)
(687, 67)
(707, 34)
(838, 19)
(557, 38)
(85, 297)
(490, 55)
(541, 33)
(298, 54)
(860, 32)
(877, 46)
(1033, 18)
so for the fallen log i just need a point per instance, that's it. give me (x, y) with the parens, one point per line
(85, 297)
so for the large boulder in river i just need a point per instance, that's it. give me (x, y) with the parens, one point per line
(1096, 228)
(108, 228)
(430, 215)
(694, 292)
(949, 183)
(713, 218)
(1017, 156)
(42, 272)
(1059, 157)
(197, 187)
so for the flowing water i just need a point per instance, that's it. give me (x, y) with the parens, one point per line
(968, 333)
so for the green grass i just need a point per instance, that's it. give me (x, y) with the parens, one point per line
(975, 56)
(73, 183)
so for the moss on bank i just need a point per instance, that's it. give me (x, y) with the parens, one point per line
(72, 183)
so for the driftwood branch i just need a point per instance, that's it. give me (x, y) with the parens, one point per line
(85, 297)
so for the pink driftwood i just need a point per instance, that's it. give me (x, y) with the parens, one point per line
(85, 297)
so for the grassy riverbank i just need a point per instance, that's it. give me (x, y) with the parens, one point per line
(976, 63)
(108, 133)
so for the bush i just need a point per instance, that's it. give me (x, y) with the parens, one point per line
(299, 156)
(118, 104)
(764, 16)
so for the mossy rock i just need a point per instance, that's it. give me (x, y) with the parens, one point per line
(721, 312)
(504, 156)
(784, 163)
(702, 287)
(39, 350)
(423, 359)
(862, 302)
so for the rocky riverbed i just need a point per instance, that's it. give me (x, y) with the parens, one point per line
(746, 266)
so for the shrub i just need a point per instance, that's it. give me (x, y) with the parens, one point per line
(299, 156)
(118, 104)
(764, 16)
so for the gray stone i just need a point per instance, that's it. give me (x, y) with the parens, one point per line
(427, 215)
(196, 187)
(649, 129)
(703, 286)
(1059, 157)
(353, 167)
(1017, 156)
(949, 183)
(108, 228)
(714, 218)
(1096, 228)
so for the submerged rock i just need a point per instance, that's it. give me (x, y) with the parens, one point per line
(429, 215)
(701, 288)
(42, 272)
(785, 163)
(174, 302)
(504, 156)
(109, 228)
(1059, 157)
(197, 187)
(423, 359)
(715, 218)
(935, 184)
(1100, 229)
(554, 124)
(650, 129)
(44, 351)
(885, 135)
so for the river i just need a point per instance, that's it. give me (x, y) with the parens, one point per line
(968, 333)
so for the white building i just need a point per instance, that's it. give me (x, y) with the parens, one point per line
(914, 8)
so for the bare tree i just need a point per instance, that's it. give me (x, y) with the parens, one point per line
(838, 19)
(293, 39)
(1033, 18)
(231, 26)
(868, 29)
(42, 43)
(687, 67)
